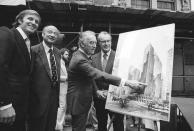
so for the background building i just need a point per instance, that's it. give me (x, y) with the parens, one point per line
(117, 16)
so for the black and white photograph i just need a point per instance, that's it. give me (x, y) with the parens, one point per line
(96, 65)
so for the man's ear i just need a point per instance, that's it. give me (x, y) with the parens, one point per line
(42, 34)
(20, 21)
(82, 45)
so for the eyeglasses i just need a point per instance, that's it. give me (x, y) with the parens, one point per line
(92, 42)
(105, 41)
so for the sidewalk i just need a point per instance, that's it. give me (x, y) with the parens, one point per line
(127, 123)
(128, 128)
(70, 129)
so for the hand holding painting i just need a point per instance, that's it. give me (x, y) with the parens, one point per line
(102, 94)
(139, 86)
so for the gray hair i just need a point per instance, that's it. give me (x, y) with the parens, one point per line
(102, 33)
(84, 35)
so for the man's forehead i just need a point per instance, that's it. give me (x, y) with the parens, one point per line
(32, 15)
(51, 28)
(105, 36)
(91, 38)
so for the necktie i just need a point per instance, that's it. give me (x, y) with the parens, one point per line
(104, 61)
(53, 69)
(90, 59)
(27, 41)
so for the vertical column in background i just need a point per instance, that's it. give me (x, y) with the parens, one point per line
(188, 58)
(177, 82)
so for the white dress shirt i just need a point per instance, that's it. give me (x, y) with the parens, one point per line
(102, 54)
(46, 49)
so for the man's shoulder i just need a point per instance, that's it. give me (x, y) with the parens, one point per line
(7, 35)
(8, 30)
(112, 51)
(77, 55)
(36, 47)
(4, 28)
(5, 31)
(96, 55)
(57, 50)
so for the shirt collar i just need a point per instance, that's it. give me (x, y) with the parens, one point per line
(24, 36)
(46, 47)
(84, 52)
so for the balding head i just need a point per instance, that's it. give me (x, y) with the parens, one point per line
(50, 34)
(87, 42)
(51, 27)
(84, 35)
(104, 40)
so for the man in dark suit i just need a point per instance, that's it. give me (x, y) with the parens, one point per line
(15, 57)
(81, 79)
(44, 92)
(104, 61)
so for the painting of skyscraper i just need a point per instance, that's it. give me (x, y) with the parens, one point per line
(146, 56)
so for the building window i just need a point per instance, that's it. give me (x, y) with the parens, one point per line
(166, 4)
(140, 4)
(183, 69)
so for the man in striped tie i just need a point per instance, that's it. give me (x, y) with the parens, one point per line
(104, 61)
(44, 94)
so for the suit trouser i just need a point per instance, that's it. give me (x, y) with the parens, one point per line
(47, 121)
(79, 122)
(102, 116)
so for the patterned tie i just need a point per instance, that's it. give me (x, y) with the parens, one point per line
(104, 61)
(53, 69)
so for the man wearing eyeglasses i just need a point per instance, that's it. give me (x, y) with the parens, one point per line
(81, 80)
(104, 61)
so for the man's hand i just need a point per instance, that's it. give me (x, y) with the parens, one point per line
(135, 84)
(102, 94)
(7, 116)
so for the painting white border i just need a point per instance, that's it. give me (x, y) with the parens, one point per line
(130, 63)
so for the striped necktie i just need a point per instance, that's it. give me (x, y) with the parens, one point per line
(53, 69)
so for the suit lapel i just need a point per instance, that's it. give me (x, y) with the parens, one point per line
(110, 62)
(99, 62)
(22, 45)
(44, 59)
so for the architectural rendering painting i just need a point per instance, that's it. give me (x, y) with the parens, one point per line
(145, 56)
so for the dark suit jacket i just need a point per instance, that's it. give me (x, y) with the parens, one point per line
(96, 62)
(81, 75)
(41, 80)
(14, 70)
